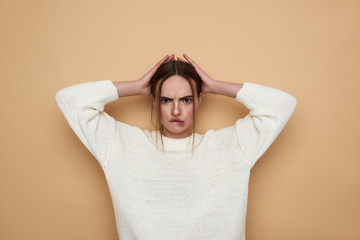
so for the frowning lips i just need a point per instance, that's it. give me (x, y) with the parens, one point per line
(177, 120)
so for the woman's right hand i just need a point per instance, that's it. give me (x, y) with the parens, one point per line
(144, 81)
(141, 86)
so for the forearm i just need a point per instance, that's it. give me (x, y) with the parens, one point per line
(83, 107)
(229, 89)
(129, 88)
(269, 111)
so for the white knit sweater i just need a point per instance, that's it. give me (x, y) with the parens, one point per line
(177, 193)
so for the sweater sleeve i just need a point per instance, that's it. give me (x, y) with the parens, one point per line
(82, 105)
(269, 111)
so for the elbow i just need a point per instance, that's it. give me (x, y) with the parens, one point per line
(58, 97)
(283, 113)
(287, 111)
(287, 105)
(61, 99)
(292, 102)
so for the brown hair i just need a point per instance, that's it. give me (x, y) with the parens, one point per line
(165, 71)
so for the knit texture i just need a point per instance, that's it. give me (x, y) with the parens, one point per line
(175, 193)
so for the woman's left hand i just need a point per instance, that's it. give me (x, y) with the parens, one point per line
(208, 82)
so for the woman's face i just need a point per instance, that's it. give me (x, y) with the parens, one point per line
(176, 107)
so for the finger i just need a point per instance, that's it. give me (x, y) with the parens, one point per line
(179, 59)
(201, 73)
(188, 58)
(153, 70)
(192, 62)
(159, 64)
(171, 58)
(161, 61)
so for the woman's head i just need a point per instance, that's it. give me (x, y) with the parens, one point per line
(176, 91)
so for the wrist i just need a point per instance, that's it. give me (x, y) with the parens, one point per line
(229, 89)
(212, 87)
(143, 88)
(129, 88)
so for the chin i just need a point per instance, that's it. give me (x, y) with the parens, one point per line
(178, 133)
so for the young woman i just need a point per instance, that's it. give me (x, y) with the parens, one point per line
(173, 183)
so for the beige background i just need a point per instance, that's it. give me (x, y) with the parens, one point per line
(306, 186)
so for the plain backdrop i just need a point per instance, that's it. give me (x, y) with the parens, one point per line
(305, 186)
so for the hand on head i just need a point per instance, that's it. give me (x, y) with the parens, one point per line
(206, 79)
(144, 81)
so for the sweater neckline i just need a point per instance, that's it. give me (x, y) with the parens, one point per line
(176, 144)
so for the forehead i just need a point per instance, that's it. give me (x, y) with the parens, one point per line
(176, 86)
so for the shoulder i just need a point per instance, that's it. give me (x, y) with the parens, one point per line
(220, 136)
(129, 134)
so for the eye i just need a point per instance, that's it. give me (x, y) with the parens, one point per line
(187, 100)
(165, 100)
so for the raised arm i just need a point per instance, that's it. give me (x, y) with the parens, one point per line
(229, 89)
(141, 86)
(83, 107)
(270, 109)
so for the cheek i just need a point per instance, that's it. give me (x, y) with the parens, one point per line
(189, 111)
(164, 110)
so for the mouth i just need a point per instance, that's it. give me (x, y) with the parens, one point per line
(177, 121)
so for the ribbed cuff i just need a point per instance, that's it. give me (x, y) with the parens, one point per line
(107, 90)
(252, 94)
(246, 92)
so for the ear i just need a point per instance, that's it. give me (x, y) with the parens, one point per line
(153, 99)
(199, 98)
(154, 104)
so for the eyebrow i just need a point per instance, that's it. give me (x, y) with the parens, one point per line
(189, 96)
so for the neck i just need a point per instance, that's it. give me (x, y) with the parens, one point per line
(168, 134)
(168, 144)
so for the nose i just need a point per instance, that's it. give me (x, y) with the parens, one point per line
(176, 110)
